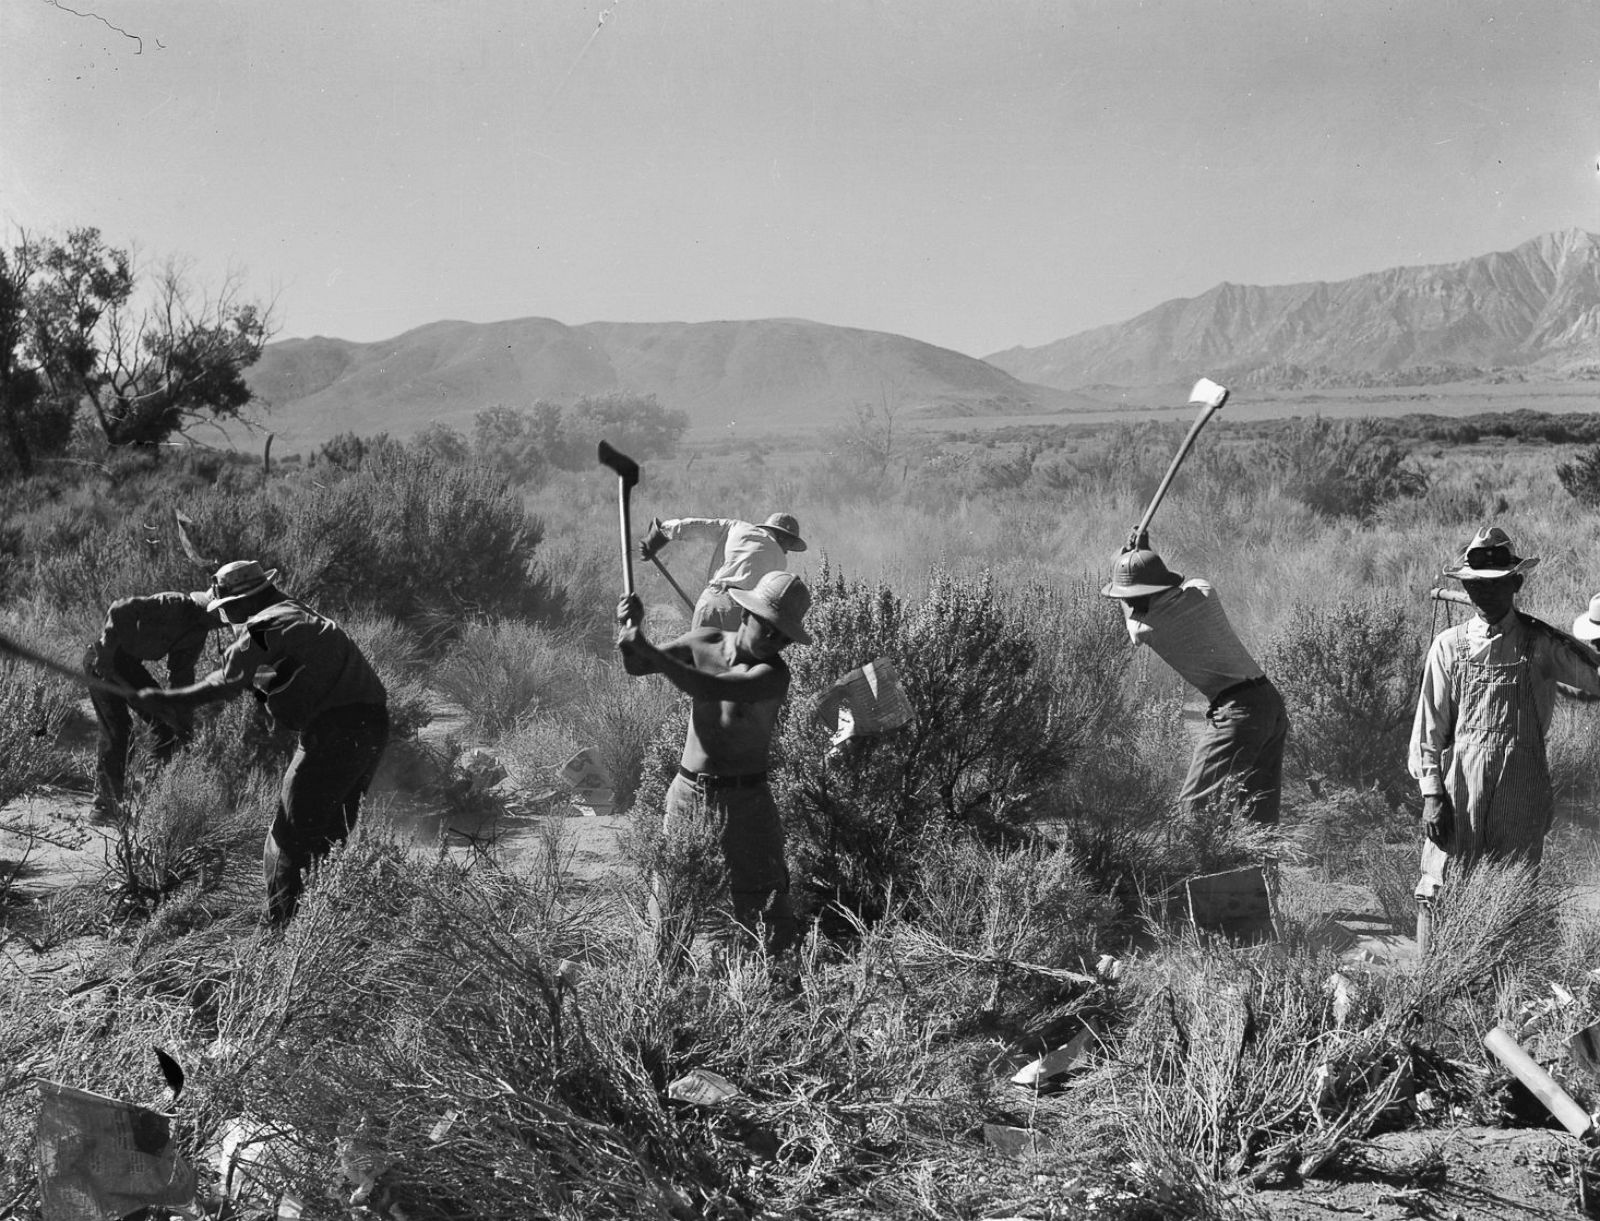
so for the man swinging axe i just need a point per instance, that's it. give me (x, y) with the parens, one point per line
(1239, 756)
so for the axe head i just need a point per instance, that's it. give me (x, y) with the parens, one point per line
(1208, 393)
(627, 469)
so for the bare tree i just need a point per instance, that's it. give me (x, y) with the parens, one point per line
(73, 332)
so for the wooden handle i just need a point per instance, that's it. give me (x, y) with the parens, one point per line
(1177, 460)
(1541, 1084)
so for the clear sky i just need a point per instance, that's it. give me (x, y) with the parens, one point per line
(973, 173)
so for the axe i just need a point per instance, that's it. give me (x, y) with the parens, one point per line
(627, 475)
(1211, 397)
(7, 645)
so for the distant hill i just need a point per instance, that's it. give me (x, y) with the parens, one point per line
(1533, 308)
(776, 371)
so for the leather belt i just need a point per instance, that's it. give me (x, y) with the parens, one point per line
(1227, 693)
(709, 780)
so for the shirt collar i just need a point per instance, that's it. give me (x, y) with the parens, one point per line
(1500, 627)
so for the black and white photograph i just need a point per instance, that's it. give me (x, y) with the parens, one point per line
(746, 610)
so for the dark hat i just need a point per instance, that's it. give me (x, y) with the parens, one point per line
(1139, 573)
(782, 599)
(238, 580)
(1488, 557)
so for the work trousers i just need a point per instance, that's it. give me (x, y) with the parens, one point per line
(331, 770)
(1240, 752)
(716, 609)
(116, 726)
(750, 831)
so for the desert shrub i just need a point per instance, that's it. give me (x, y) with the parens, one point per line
(1344, 468)
(620, 716)
(184, 831)
(1002, 720)
(1005, 917)
(504, 670)
(1581, 476)
(430, 543)
(33, 712)
(1348, 672)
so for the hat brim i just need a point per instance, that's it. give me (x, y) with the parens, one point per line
(1586, 629)
(266, 583)
(763, 609)
(790, 540)
(1112, 590)
(1462, 573)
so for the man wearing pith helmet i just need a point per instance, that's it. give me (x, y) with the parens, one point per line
(736, 682)
(1239, 755)
(741, 554)
(1488, 693)
(322, 686)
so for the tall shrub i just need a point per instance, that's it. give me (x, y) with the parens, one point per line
(1000, 725)
(1349, 673)
(1344, 468)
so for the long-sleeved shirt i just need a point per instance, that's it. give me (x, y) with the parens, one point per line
(741, 554)
(315, 665)
(150, 627)
(1508, 643)
(1188, 630)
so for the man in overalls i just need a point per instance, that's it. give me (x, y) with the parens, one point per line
(1478, 740)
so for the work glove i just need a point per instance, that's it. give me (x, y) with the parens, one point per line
(1138, 540)
(630, 611)
(654, 541)
(1438, 820)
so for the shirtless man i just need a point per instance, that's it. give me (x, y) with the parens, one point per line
(737, 682)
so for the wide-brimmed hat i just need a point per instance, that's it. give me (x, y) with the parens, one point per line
(1587, 627)
(1138, 574)
(238, 580)
(787, 527)
(782, 599)
(1488, 557)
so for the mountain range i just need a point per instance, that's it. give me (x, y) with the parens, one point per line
(1535, 308)
(763, 372)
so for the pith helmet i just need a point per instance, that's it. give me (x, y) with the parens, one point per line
(1488, 557)
(1139, 573)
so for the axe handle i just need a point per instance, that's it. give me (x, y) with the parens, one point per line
(7, 645)
(687, 600)
(1172, 469)
(627, 536)
(1586, 651)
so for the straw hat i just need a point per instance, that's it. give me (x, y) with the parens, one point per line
(782, 599)
(1587, 627)
(787, 527)
(1488, 557)
(238, 580)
